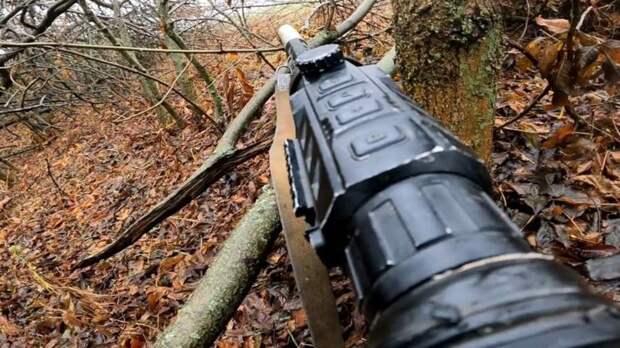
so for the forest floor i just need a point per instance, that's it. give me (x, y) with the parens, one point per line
(88, 182)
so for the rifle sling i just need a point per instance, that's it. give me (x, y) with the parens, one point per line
(310, 274)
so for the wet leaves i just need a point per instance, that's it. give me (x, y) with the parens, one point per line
(556, 26)
(572, 61)
(559, 136)
(559, 182)
(113, 172)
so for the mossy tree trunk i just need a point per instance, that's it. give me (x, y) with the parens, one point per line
(448, 53)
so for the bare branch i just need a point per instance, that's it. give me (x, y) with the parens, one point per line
(48, 44)
(148, 76)
(222, 156)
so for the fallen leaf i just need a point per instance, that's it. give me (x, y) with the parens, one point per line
(559, 136)
(168, 263)
(612, 50)
(547, 58)
(556, 26)
(7, 327)
(300, 318)
(154, 298)
(4, 202)
(601, 183)
(71, 319)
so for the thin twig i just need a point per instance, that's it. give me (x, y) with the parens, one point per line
(58, 188)
(583, 17)
(521, 49)
(139, 49)
(527, 21)
(528, 108)
(174, 82)
(215, 124)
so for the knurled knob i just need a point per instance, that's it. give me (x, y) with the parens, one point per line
(319, 59)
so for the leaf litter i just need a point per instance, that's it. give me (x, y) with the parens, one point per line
(558, 182)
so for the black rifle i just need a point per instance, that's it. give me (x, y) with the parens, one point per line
(405, 207)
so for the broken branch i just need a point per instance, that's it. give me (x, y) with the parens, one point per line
(221, 160)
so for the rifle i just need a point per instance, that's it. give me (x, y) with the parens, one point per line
(405, 208)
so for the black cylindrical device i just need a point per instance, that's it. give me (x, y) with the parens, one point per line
(397, 200)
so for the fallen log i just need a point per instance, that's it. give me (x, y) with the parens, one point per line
(225, 285)
(212, 170)
(228, 279)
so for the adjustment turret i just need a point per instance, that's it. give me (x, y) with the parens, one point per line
(319, 59)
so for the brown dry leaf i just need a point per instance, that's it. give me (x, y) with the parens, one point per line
(100, 318)
(153, 299)
(602, 184)
(133, 342)
(612, 49)
(523, 63)
(70, 319)
(587, 73)
(534, 128)
(233, 57)
(273, 258)
(168, 263)
(4, 202)
(586, 39)
(548, 56)
(537, 46)
(556, 26)
(584, 167)
(515, 102)
(248, 89)
(238, 199)
(263, 179)
(137, 342)
(299, 317)
(252, 342)
(227, 344)
(123, 214)
(559, 136)
(8, 328)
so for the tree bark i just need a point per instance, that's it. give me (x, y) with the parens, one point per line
(448, 52)
(228, 279)
(184, 83)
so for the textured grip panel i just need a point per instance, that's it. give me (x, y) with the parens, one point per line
(357, 135)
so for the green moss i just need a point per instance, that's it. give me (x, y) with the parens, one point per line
(448, 54)
(479, 78)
